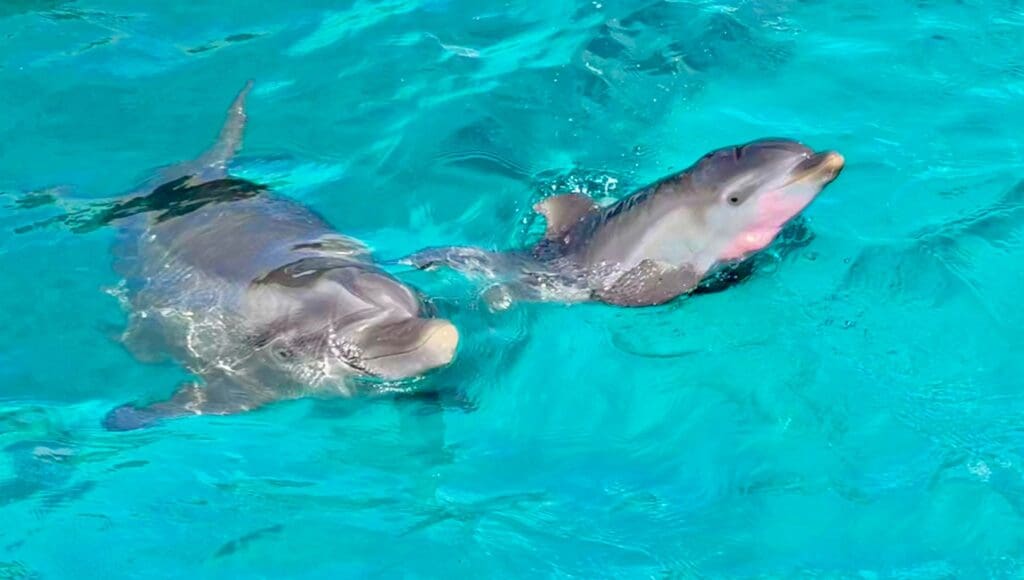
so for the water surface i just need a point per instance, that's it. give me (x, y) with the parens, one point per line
(853, 410)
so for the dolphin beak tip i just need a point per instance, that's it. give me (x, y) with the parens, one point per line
(834, 160)
(443, 341)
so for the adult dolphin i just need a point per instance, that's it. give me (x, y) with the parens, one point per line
(257, 295)
(660, 242)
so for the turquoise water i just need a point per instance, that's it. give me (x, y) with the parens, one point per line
(853, 410)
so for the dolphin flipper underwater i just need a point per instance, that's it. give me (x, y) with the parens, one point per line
(692, 232)
(257, 295)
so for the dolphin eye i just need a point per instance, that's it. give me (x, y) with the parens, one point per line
(284, 353)
(734, 200)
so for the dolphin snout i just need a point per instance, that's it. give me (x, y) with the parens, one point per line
(411, 347)
(441, 342)
(832, 161)
(824, 166)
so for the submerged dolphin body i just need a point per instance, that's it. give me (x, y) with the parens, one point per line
(660, 242)
(257, 295)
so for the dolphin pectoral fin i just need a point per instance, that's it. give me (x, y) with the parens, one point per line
(130, 417)
(563, 212)
(726, 278)
(191, 399)
(649, 283)
(464, 259)
(428, 259)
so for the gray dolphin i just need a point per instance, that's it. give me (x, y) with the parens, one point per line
(257, 295)
(660, 242)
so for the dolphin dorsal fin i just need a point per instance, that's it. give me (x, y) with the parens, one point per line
(563, 212)
(214, 162)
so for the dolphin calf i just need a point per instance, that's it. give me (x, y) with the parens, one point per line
(660, 242)
(257, 295)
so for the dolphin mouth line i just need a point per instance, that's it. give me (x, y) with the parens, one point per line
(363, 365)
(827, 163)
(413, 348)
(441, 328)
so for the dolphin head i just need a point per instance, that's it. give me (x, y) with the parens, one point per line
(322, 322)
(748, 192)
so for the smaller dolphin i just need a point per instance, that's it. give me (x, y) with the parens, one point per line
(257, 295)
(660, 242)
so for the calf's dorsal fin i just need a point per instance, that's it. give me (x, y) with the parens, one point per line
(563, 212)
